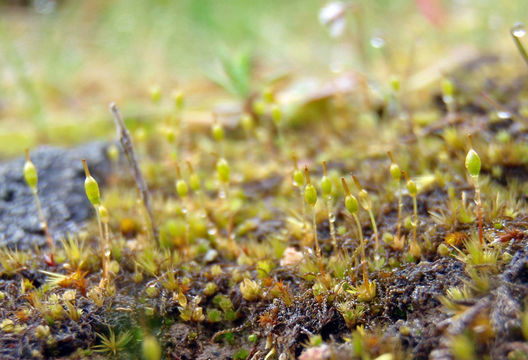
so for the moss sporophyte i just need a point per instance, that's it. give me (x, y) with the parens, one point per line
(31, 177)
(396, 174)
(91, 188)
(473, 165)
(367, 291)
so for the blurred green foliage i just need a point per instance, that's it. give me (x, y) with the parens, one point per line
(60, 68)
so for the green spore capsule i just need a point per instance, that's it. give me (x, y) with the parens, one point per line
(113, 153)
(218, 132)
(259, 107)
(411, 188)
(178, 99)
(181, 188)
(155, 93)
(151, 348)
(448, 88)
(351, 204)
(395, 83)
(90, 186)
(310, 195)
(298, 178)
(364, 199)
(247, 122)
(268, 96)
(194, 182)
(30, 172)
(326, 183)
(222, 168)
(194, 179)
(395, 172)
(473, 163)
(276, 114)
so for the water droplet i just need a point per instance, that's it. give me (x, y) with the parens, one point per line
(518, 30)
(377, 42)
(503, 115)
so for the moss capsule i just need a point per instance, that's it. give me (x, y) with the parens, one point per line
(326, 185)
(151, 348)
(178, 99)
(351, 204)
(222, 168)
(448, 88)
(30, 172)
(259, 107)
(91, 187)
(247, 122)
(181, 188)
(364, 199)
(298, 178)
(395, 83)
(113, 153)
(268, 95)
(411, 187)
(194, 182)
(310, 195)
(473, 163)
(155, 93)
(218, 132)
(395, 172)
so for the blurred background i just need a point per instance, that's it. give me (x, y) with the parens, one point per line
(63, 61)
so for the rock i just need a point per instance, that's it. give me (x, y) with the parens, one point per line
(61, 192)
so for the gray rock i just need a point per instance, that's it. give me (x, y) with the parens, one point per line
(61, 192)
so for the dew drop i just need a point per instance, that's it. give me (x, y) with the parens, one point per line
(518, 30)
(503, 115)
(377, 42)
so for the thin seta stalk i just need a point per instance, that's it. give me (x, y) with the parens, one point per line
(298, 182)
(366, 203)
(413, 192)
(396, 174)
(276, 116)
(223, 171)
(105, 248)
(310, 196)
(326, 189)
(183, 189)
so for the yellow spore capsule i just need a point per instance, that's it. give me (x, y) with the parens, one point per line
(91, 187)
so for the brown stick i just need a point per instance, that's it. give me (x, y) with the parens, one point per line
(128, 147)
